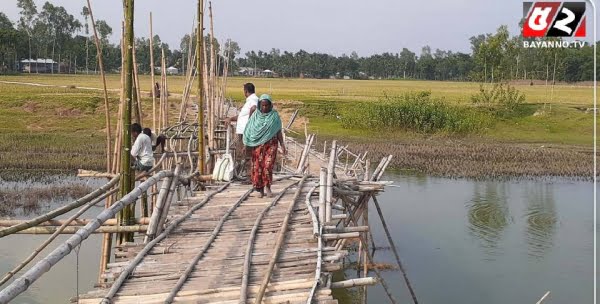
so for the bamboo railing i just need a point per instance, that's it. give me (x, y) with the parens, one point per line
(21, 284)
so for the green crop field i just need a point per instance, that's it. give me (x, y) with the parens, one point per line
(69, 120)
(336, 90)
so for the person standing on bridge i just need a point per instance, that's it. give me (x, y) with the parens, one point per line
(141, 150)
(242, 120)
(263, 135)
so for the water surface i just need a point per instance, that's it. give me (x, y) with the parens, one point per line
(464, 241)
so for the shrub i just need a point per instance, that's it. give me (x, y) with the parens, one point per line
(504, 98)
(416, 112)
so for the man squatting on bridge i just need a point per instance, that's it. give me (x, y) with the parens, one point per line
(141, 151)
(242, 120)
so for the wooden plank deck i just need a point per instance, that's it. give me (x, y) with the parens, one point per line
(217, 276)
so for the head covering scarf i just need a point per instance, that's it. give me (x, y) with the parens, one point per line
(262, 127)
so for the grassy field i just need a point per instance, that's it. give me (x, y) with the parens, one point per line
(336, 90)
(68, 121)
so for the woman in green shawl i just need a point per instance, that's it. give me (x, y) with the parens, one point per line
(263, 135)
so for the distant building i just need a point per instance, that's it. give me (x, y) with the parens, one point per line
(38, 66)
(246, 71)
(266, 73)
(172, 70)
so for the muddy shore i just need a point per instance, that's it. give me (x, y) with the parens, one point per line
(466, 159)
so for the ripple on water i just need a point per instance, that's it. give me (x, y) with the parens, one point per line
(541, 227)
(487, 220)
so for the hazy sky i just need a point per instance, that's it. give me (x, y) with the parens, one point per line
(331, 26)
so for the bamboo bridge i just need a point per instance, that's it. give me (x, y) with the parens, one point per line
(207, 238)
(209, 241)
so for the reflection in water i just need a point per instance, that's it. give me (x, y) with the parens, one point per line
(488, 216)
(541, 219)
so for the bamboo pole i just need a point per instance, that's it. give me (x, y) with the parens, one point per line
(393, 246)
(107, 237)
(330, 172)
(106, 103)
(169, 198)
(158, 210)
(337, 236)
(543, 297)
(322, 195)
(152, 78)
(378, 169)
(336, 229)
(200, 253)
(75, 222)
(119, 132)
(126, 174)
(200, 70)
(380, 173)
(366, 248)
(279, 243)
(52, 214)
(137, 92)
(163, 91)
(58, 231)
(354, 283)
(305, 154)
(370, 257)
(250, 244)
(74, 229)
(21, 284)
(166, 94)
(311, 210)
(212, 85)
(319, 262)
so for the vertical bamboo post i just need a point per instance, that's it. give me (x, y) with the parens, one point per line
(212, 77)
(127, 176)
(137, 92)
(152, 78)
(367, 165)
(330, 172)
(391, 241)
(200, 71)
(366, 248)
(144, 205)
(106, 103)
(106, 238)
(322, 194)
(161, 107)
(165, 91)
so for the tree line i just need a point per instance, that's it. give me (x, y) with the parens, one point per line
(52, 32)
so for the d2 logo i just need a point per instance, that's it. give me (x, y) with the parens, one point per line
(554, 19)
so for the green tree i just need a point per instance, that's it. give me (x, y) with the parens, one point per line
(8, 44)
(85, 12)
(28, 13)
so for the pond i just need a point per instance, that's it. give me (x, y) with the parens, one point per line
(461, 241)
(464, 241)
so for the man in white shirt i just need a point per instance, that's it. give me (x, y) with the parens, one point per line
(141, 151)
(243, 117)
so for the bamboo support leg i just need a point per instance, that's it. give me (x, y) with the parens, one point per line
(389, 237)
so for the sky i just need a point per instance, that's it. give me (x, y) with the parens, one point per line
(329, 26)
